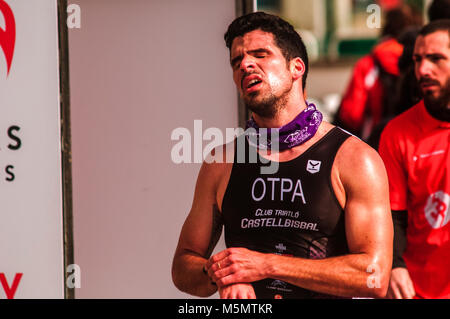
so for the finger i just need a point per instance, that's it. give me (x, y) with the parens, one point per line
(219, 270)
(237, 250)
(213, 268)
(231, 292)
(412, 291)
(217, 258)
(225, 295)
(242, 295)
(223, 272)
(243, 292)
(396, 292)
(247, 292)
(411, 288)
(250, 293)
(405, 290)
(223, 264)
(224, 292)
(233, 278)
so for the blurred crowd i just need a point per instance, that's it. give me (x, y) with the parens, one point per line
(383, 83)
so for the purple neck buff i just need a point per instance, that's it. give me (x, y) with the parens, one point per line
(296, 132)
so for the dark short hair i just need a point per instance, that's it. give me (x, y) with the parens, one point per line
(439, 9)
(400, 18)
(286, 38)
(434, 26)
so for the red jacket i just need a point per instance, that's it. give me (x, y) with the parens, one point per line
(362, 104)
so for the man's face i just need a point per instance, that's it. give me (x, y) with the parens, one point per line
(260, 72)
(432, 67)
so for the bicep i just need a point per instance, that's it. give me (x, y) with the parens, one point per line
(367, 210)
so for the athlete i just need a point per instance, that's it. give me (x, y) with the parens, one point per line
(415, 149)
(320, 226)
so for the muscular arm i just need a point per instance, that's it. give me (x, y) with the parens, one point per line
(365, 270)
(199, 235)
(202, 230)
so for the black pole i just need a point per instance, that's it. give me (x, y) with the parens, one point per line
(64, 84)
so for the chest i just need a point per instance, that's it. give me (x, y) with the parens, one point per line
(299, 197)
(428, 178)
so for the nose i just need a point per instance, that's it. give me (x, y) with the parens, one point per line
(247, 63)
(423, 68)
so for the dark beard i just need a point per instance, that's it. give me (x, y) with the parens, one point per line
(265, 108)
(269, 106)
(438, 107)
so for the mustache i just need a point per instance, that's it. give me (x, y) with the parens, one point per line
(428, 81)
(249, 73)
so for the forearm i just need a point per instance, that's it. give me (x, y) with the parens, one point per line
(188, 275)
(353, 275)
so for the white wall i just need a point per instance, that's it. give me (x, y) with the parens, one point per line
(138, 70)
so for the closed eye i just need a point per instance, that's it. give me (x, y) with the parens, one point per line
(259, 53)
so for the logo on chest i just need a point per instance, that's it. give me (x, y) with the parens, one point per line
(437, 209)
(313, 166)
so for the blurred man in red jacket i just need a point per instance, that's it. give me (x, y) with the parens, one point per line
(373, 82)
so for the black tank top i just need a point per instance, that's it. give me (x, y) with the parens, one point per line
(293, 212)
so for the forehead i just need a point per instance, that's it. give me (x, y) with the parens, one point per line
(436, 42)
(252, 40)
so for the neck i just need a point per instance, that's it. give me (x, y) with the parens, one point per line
(282, 116)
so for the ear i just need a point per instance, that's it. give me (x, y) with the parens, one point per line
(297, 68)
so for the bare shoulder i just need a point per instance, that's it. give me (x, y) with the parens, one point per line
(353, 150)
(358, 164)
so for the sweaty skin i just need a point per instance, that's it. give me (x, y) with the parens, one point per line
(358, 178)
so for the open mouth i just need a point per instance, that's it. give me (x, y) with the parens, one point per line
(251, 83)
